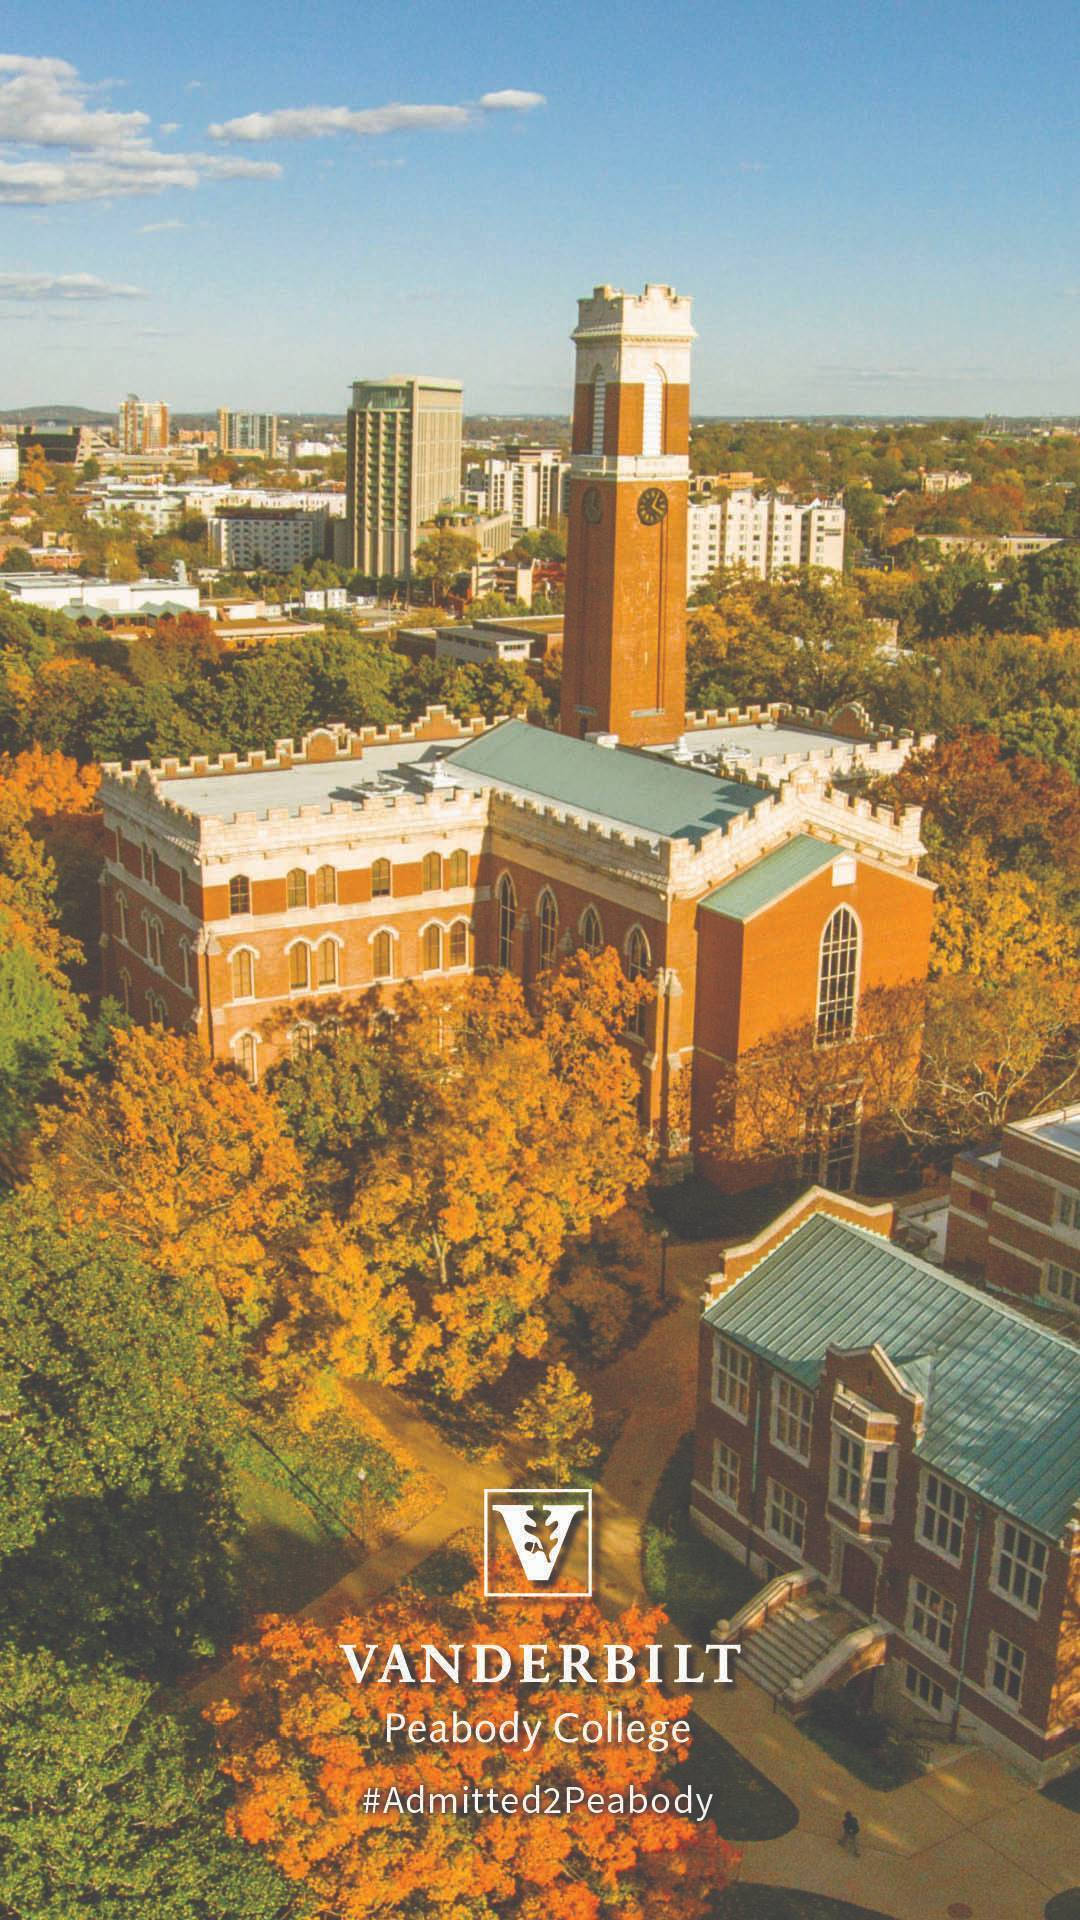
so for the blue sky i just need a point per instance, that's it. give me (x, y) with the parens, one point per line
(874, 204)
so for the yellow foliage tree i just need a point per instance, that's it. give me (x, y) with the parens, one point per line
(992, 922)
(554, 1423)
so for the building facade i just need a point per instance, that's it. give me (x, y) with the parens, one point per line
(142, 426)
(276, 538)
(402, 462)
(528, 483)
(762, 533)
(877, 1432)
(248, 433)
(1014, 1212)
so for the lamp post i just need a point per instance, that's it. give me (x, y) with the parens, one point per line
(665, 1236)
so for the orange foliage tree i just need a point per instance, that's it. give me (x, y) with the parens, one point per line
(518, 1130)
(304, 1742)
(195, 1167)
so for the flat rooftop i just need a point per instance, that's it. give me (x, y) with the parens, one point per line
(762, 740)
(1061, 1133)
(222, 796)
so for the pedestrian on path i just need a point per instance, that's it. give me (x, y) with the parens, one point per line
(849, 1833)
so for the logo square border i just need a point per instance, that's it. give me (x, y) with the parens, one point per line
(540, 1593)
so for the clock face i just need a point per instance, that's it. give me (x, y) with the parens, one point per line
(592, 506)
(652, 506)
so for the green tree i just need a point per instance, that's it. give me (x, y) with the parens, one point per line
(108, 1808)
(441, 557)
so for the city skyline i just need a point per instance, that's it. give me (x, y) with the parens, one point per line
(871, 221)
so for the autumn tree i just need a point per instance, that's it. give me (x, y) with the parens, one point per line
(554, 1425)
(519, 1130)
(992, 923)
(303, 1743)
(195, 1168)
(109, 1807)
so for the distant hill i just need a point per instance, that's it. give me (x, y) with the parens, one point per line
(63, 416)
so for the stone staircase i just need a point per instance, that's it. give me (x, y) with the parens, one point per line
(791, 1641)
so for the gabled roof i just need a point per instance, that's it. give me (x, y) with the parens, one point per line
(611, 783)
(746, 893)
(1003, 1393)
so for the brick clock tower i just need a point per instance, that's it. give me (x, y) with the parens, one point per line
(624, 651)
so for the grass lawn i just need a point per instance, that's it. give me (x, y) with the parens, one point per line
(752, 1902)
(745, 1805)
(695, 1580)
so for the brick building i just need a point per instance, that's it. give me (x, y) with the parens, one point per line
(898, 1454)
(1014, 1212)
(241, 895)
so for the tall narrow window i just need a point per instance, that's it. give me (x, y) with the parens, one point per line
(243, 975)
(328, 971)
(547, 924)
(125, 989)
(239, 894)
(506, 901)
(153, 944)
(459, 944)
(298, 965)
(380, 879)
(246, 1056)
(592, 933)
(296, 888)
(637, 966)
(838, 977)
(432, 872)
(325, 887)
(121, 918)
(652, 426)
(458, 869)
(599, 394)
(382, 956)
(432, 949)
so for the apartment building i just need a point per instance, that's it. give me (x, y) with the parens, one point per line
(253, 434)
(276, 538)
(1014, 1212)
(763, 534)
(403, 462)
(897, 1455)
(528, 483)
(142, 426)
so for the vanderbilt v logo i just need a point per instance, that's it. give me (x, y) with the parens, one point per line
(541, 1527)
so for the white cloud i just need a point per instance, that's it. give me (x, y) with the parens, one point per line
(315, 123)
(55, 147)
(64, 286)
(170, 126)
(511, 99)
(164, 226)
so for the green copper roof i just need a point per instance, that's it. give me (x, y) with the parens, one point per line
(1003, 1392)
(767, 879)
(638, 790)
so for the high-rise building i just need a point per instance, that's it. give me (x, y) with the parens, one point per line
(251, 433)
(142, 426)
(624, 650)
(403, 462)
(529, 483)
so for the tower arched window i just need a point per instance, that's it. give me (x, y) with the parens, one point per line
(125, 989)
(432, 949)
(599, 397)
(652, 424)
(154, 948)
(459, 944)
(296, 888)
(592, 933)
(637, 966)
(243, 974)
(547, 930)
(382, 956)
(155, 1009)
(299, 966)
(122, 917)
(380, 879)
(328, 963)
(185, 963)
(247, 1057)
(506, 903)
(458, 869)
(239, 894)
(432, 873)
(325, 887)
(838, 977)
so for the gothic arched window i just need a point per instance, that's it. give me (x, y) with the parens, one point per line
(506, 901)
(592, 933)
(547, 923)
(838, 973)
